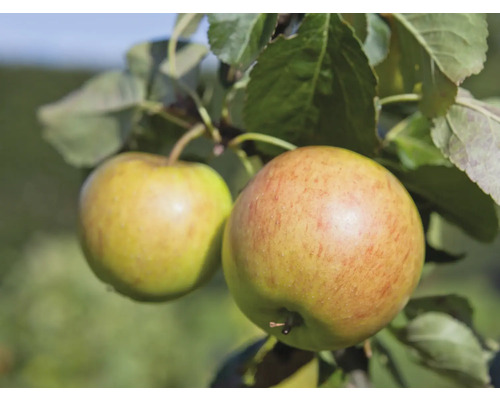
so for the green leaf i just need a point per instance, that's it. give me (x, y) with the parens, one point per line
(95, 121)
(237, 39)
(188, 23)
(440, 256)
(187, 58)
(149, 62)
(413, 143)
(376, 44)
(456, 43)
(265, 363)
(454, 196)
(447, 346)
(439, 51)
(358, 22)
(230, 374)
(495, 370)
(454, 305)
(373, 32)
(469, 135)
(273, 365)
(315, 87)
(383, 357)
(420, 74)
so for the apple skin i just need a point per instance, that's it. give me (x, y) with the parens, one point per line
(151, 230)
(327, 239)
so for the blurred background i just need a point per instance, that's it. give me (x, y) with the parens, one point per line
(59, 325)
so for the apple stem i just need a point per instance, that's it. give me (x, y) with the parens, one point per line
(193, 133)
(292, 319)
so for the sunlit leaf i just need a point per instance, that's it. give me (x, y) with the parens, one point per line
(237, 39)
(456, 43)
(188, 22)
(469, 135)
(447, 345)
(438, 52)
(376, 44)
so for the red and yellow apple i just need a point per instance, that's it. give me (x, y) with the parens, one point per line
(323, 248)
(152, 230)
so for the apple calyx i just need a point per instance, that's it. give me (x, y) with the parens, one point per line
(292, 319)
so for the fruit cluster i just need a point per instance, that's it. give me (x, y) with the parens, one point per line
(322, 248)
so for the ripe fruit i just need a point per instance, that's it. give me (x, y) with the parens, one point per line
(151, 230)
(323, 248)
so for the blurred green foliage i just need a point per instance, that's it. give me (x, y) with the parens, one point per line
(59, 325)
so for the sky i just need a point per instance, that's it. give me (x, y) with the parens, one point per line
(96, 41)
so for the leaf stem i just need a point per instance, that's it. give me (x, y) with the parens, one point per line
(245, 161)
(481, 110)
(174, 38)
(400, 98)
(204, 115)
(172, 46)
(158, 108)
(193, 133)
(260, 138)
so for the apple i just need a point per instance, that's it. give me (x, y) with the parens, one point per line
(153, 230)
(323, 248)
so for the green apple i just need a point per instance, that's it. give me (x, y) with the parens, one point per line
(323, 248)
(152, 230)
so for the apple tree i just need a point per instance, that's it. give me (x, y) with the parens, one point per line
(385, 86)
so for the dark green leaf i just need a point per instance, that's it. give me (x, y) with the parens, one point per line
(315, 87)
(438, 92)
(230, 374)
(420, 74)
(448, 346)
(95, 121)
(469, 135)
(354, 362)
(440, 256)
(188, 23)
(376, 44)
(454, 196)
(237, 39)
(384, 355)
(413, 143)
(359, 24)
(495, 370)
(456, 306)
(265, 363)
(389, 71)
(277, 364)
